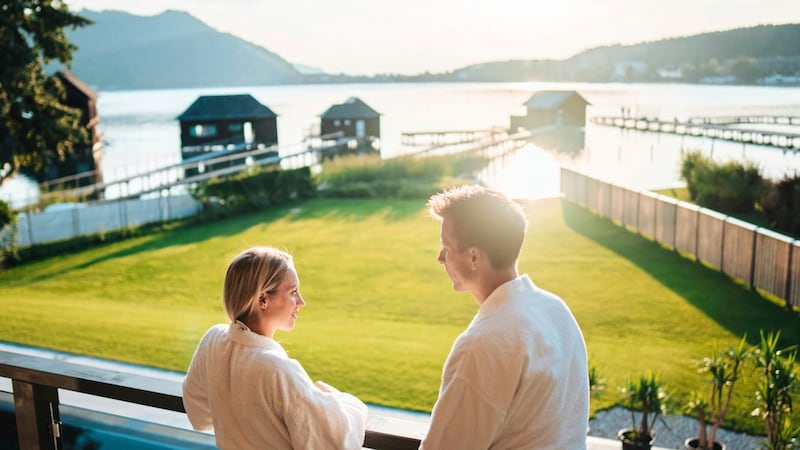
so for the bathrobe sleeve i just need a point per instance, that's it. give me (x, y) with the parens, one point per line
(195, 388)
(317, 419)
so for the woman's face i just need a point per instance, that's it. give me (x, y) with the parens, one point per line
(285, 303)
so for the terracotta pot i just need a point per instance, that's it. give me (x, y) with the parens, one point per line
(691, 444)
(631, 444)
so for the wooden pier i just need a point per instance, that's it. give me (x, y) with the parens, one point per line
(715, 128)
(444, 137)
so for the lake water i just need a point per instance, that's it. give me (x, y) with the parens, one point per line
(141, 131)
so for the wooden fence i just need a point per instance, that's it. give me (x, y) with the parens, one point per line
(763, 259)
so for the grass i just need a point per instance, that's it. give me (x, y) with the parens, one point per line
(381, 314)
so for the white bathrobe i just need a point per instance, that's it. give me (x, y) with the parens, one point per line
(245, 388)
(517, 378)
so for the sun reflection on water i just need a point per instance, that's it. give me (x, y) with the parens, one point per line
(529, 173)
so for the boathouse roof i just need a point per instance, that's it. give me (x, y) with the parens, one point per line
(551, 99)
(226, 107)
(352, 108)
(68, 77)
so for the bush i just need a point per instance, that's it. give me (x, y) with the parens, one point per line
(732, 187)
(8, 234)
(254, 190)
(781, 204)
(403, 177)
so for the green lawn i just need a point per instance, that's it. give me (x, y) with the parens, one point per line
(381, 315)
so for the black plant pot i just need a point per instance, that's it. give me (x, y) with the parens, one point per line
(626, 435)
(691, 444)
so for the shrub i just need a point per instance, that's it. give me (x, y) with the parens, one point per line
(402, 177)
(254, 190)
(732, 187)
(781, 204)
(8, 234)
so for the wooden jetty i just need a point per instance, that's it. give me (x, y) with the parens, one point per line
(158, 181)
(715, 128)
(444, 137)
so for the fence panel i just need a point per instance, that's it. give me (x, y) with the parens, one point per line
(579, 191)
(52, 226)
(709, 237)
(569, 183)
(140, 212)
(666, 213)
(794, 275)
(182, 206)
(604, 199)
(617, 203)
(630, 211)
(738, 249)
(648, 203)
(686, 228)
(591, 194)
(771, 271)
(99, 218)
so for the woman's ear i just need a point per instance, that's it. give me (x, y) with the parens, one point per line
(263, 301)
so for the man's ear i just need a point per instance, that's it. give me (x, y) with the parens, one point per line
(475, 256)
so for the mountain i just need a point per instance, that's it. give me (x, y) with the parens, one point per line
(176, 50)
(742, 55)
(170, 50)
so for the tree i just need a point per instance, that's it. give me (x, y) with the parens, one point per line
(35, 128)
(745, 69)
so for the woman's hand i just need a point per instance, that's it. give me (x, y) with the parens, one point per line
(325, 387)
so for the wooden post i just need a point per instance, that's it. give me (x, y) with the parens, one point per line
(38, 420)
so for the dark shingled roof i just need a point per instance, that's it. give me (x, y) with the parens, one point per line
(550, 99)
(226, 107)
(353, 108)
(68, 77)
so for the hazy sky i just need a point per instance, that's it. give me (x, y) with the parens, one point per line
(412, 36)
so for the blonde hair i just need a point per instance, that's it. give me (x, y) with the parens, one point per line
(483, 218)
(252, 272)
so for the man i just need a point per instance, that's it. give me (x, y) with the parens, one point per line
(517, 377)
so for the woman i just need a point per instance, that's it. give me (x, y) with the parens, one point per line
(242, 385)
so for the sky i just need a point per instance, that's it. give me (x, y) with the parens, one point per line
(368, 37)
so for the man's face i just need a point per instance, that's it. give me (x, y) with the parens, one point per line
(456, 262)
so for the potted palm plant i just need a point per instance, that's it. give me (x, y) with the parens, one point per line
(645, 394)
(723, 368)
(777, 382)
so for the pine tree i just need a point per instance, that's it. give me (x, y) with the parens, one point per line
(35, 128)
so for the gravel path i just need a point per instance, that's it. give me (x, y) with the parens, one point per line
(671, 433)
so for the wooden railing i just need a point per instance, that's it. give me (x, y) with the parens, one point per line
(36, 381)
(763, 259)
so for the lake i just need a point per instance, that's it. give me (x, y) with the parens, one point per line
(142, 133)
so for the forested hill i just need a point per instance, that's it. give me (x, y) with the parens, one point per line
(170, 50)
(739, 55)
(176, 50)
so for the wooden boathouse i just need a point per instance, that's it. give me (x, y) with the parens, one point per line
(357, 125)
(82, 163)
(559, 108)
(218, 125)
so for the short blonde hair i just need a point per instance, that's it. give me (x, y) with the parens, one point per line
(483, 218)
(255, 270)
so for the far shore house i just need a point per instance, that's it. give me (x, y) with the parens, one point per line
(559, 108)
(219, 125)
(357, 122)
(82, 164)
